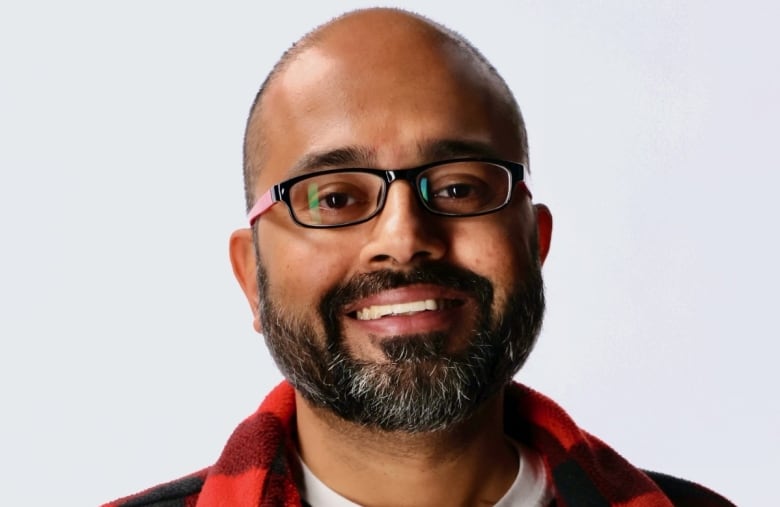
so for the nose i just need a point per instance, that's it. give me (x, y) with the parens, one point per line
(404, 232)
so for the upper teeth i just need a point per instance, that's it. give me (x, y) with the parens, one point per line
(379, 311)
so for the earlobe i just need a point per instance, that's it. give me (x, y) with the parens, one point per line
(544, 226)
(242, 258)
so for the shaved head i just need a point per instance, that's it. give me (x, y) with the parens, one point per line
(376, 40)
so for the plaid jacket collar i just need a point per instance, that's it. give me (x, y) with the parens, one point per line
(259, 463)
(258, 460)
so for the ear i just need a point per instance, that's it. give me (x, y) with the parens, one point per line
(544, 226)
(242, 257)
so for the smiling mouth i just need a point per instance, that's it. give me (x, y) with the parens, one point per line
(403, 309)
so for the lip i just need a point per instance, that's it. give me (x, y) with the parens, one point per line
(406, 295)
(450, 317)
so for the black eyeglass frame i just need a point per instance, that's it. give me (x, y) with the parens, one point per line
(281, 191)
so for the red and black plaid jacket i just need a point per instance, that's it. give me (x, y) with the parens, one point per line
(257, 465)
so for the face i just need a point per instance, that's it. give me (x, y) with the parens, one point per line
(408, 321)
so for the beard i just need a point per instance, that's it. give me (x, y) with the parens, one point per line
(420, 387)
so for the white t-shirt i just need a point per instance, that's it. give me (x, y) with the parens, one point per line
(531, 487)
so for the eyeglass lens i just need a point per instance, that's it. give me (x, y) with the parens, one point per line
(457, 188)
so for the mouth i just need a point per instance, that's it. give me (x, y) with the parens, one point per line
(408, 311)
(375, 312)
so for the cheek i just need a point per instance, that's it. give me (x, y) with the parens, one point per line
(302, 270)
(496, 251)
(488, 249)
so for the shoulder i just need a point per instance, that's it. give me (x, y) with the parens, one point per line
(687, 494)
(181, 492)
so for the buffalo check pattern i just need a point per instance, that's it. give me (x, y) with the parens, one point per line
(259, 466)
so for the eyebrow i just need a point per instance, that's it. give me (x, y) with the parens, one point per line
(348, 156)
(442, 149)
(363, 157)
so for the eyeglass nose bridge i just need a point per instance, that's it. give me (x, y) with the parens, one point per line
(408, 175)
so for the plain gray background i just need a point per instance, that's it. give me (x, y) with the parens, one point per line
(128, 355)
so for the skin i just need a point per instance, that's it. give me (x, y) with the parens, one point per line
(386, 83)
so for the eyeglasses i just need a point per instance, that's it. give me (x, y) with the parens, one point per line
(464, 187)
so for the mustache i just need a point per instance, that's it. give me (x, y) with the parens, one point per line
(438, 273)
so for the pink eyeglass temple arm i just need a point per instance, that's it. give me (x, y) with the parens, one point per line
(261, 206)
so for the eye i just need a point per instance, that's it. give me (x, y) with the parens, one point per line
(455, 191)
(462, 188)
(459, 188)
(335, 196)
(336, 200)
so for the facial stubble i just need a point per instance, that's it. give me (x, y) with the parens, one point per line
(420, 386)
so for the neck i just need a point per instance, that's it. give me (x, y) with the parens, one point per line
(470, 463)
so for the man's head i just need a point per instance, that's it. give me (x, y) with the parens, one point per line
(407, 321)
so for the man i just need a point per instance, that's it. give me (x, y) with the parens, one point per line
(393, 264)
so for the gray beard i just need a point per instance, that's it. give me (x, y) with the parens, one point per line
(420, 387)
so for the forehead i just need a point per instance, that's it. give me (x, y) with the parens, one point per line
(388, 95)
